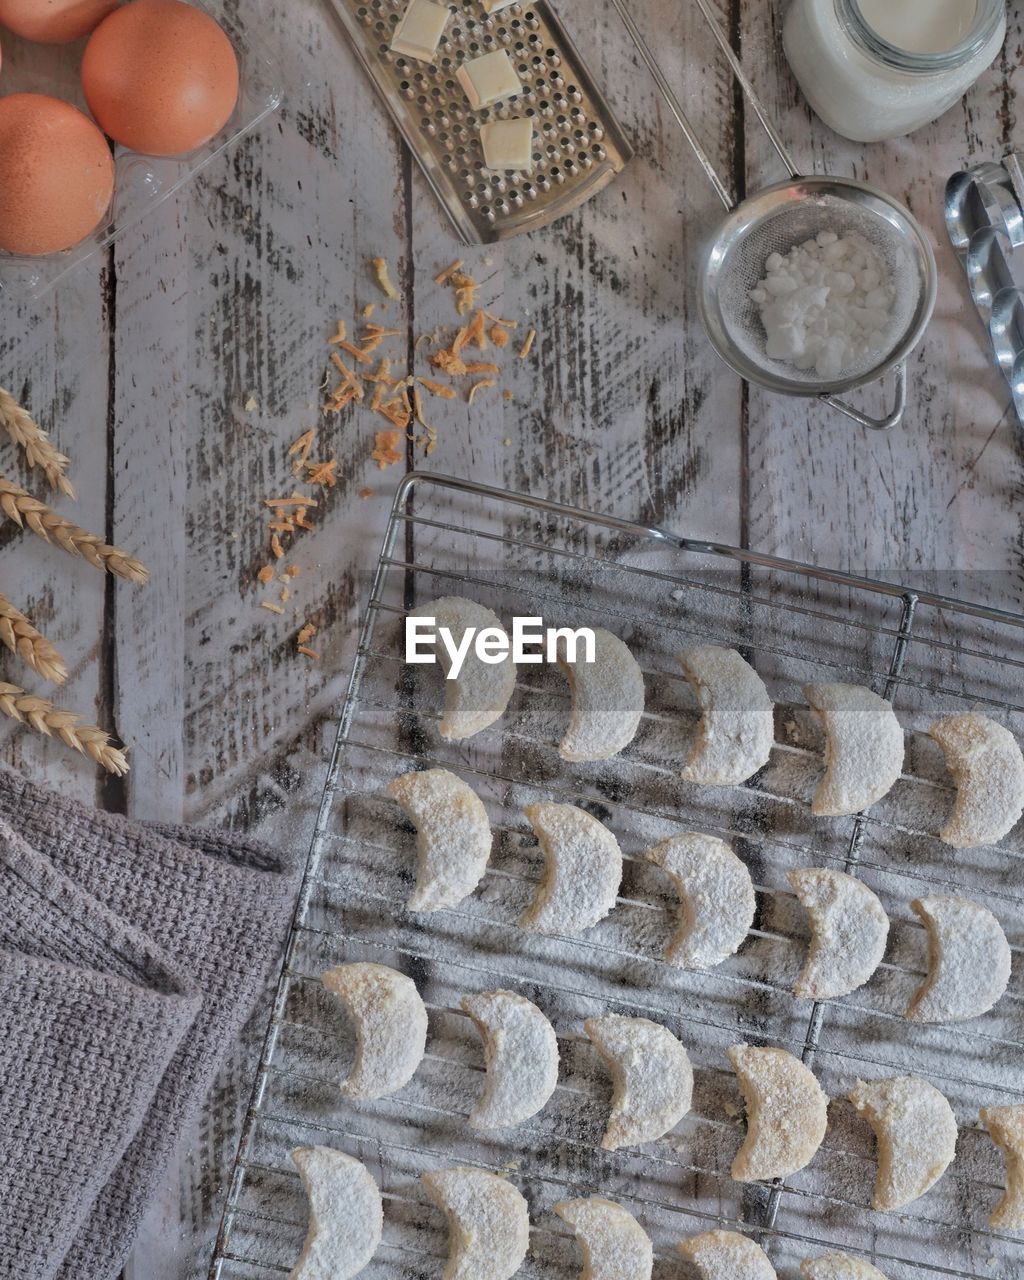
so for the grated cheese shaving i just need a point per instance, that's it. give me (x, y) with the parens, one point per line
(465, 291)
(322, 473)
(299, 449)
(388, 448)
(357, 353)
(477, 335)
(448, 272)
(382, 373)
(380, 268)
(527, 346)
(296, 500)
(480, 386)
(437, 388)
(448, 361)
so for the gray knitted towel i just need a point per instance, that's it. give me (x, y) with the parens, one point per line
(130, 957)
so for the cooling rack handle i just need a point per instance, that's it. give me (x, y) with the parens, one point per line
(892, 419)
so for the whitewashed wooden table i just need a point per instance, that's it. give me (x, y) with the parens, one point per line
(143, 364)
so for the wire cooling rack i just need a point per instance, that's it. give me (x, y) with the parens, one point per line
(929, 654)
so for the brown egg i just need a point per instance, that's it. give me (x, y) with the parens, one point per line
(160, 76)
(53, 21)
(56, 174)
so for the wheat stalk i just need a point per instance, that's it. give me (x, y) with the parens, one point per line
(39, 450)
(22, 638)
(41, 715)
(18, 505)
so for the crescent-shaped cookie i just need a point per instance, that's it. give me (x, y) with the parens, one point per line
(615, 1246)
(480, 693)
(582, 870)
(915, 1130)
(863, 748)
(736, 728)
(453, 836)
(837, 1266)
(1006, 1126)
(488, 1223)
(726, 1255)
(988, 769)
(968, 960)
(787, 1114)
(652, 1080)
(390, 1022)
(716, 898)
(346, 1216)
(849, 928)
(607, 699)
(521, 1057)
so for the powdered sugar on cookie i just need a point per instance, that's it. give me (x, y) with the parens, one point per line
(453, 836)
(968, 960)
(582, 870)
(346, 1217)
(863, 750)
(615, 1246)
(521, 1056)
(736, 728)
(849, 929)
(488, 1223)
(390, 1022)
(652, 1079)
(726, 1255)
(716, 898)
(988, 769)
(607, 700)
(787, 1114)
(916, 1134)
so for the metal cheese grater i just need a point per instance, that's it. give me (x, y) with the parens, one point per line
(578, 145)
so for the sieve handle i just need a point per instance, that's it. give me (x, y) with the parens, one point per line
(749, 92)
(673, 103)
(676, 108)
(893, 419)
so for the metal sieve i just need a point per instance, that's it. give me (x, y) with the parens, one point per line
(775, 220)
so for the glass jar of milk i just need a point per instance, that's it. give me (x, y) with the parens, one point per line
(876, 69)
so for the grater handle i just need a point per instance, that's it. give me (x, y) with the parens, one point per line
(676, 108)
(892, 419)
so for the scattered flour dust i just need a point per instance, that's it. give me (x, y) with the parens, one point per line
(826, 305)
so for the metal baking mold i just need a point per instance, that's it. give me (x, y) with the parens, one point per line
(578, 144)
(984, 211)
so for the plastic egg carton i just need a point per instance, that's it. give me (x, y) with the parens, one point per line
(142, 183)
(984, 211)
